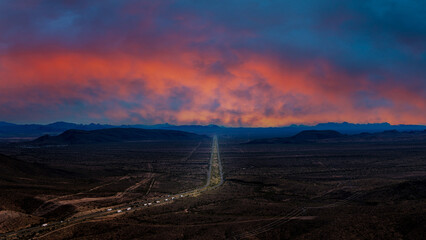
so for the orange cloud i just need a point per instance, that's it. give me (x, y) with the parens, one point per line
(191, 87)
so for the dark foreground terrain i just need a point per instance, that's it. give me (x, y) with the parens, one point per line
(373, 189)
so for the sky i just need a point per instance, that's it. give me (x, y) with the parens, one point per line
(233, 63)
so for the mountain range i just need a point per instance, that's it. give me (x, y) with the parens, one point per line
(70, 137)
(331, 136)
(10, 131)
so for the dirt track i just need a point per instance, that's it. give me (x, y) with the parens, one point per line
(120, 209)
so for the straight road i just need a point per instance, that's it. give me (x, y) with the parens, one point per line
(213, 181)
(215, 166)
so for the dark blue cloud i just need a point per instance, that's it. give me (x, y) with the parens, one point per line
(381, 42)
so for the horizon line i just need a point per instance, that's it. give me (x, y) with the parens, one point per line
(217, 125)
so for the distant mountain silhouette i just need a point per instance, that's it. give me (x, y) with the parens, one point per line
(114, 135)
(6, 124)
(316, 134)
(17, 131)
(8, 130)
(302, 137)
(334, 136)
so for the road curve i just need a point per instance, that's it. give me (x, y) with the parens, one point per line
(121, 209)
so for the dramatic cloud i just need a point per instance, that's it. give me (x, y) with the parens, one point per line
(236, 63)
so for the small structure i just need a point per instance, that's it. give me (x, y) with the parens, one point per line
(145, 204)
(44, 225)
(128, 209)
(109, 209)
(119, 211)
(157, 201)
(166, 199)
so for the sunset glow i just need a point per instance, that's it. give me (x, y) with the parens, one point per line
(189, 62)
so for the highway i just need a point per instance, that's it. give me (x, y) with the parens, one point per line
(214, 160)
(215, 165)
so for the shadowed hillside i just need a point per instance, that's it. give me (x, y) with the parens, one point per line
(12, 169)
(302, 137)
(409, 190)
(114, 135)
(317, 136)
